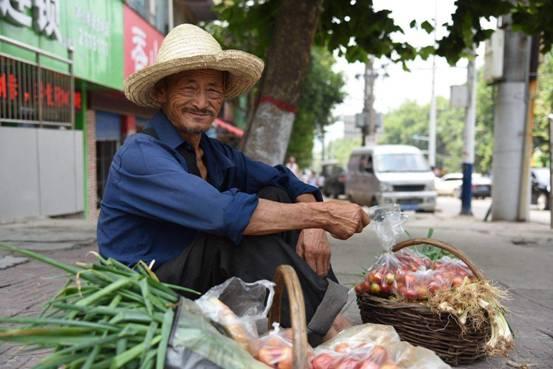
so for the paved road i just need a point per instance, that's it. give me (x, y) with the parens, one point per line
(452, 206)
(519, 256)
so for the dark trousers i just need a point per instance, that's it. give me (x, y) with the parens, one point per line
(210, 260)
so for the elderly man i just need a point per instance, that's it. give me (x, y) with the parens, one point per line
(202, 212)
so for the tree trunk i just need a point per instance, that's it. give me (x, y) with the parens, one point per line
(286, 66)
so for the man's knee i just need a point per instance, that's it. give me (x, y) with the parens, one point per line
(275, 193)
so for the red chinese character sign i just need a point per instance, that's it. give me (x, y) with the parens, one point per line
(26, 98)
(142, 42)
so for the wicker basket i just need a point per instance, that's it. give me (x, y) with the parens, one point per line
(417, 324)
(287, 280)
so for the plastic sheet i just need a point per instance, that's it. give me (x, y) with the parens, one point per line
(195, 343)
(249, 302)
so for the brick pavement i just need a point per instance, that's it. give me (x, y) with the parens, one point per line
(23, 291)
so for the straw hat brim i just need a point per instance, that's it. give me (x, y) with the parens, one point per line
(244, 71)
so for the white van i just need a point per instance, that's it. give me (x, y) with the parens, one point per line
(391, 174)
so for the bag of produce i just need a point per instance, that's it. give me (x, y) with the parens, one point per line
(275, 348)
(373, 346)
(388, 272)
(239, 306)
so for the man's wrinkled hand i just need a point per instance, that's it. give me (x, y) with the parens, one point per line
(345, 219)
(314, 248)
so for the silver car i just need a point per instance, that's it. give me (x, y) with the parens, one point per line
(391, 174)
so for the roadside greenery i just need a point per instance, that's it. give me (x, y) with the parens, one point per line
(322, 90)
(409, 123)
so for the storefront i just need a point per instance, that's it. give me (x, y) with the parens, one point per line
(52, 54)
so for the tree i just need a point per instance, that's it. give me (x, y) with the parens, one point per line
(408, 123)
(544, 107)
(287, 29)
(484, 125)
(321, 91)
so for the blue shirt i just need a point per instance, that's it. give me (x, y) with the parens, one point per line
(153, 208)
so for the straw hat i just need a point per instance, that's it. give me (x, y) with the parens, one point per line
(189, 47)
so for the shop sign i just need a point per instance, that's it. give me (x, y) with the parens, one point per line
(142, 42)
(44, 18)
(23, 94)
(92, 28)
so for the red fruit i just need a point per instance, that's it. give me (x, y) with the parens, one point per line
(402, 291)
(359, 288)
(422, 292)
(378, 355)
(375, 277)
(390, 278)
(375, 289)
(410, 280)
(457, 281)
(367, 364)
(410, 294)
(347, 363)
(342, 347)
(322, 361)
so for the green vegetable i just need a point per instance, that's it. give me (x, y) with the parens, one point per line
(107, 316)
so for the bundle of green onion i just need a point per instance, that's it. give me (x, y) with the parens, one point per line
(107, 316)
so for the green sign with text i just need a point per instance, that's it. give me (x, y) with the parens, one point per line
(92, 28)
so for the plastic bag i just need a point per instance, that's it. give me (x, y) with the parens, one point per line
(195, 343)
(249, 302)
(388, 225)
(275, 348)
(453, 270)
(373, 346)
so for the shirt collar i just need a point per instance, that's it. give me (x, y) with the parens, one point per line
(165, 130)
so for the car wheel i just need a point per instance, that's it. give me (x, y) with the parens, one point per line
(543, 201)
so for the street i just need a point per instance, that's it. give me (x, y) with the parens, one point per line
(518, 256)
(451, 206)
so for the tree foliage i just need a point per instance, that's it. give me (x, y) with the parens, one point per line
(543, 107)
(408, 124)
(321, 91)
(355, 29)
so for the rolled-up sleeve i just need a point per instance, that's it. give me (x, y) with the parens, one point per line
(259, 175)
(155, 186)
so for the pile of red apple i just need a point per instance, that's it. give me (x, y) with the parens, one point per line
(363, 356)
(412, 276)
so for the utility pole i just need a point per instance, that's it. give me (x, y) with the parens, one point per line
(509, 124)
(368, 128)
(468, 140)
(432, 120)
(432, 115)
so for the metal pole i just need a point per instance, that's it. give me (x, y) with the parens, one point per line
(368, 128)
(171, 14)
(468, 151)
(432, 115)
(432, 120)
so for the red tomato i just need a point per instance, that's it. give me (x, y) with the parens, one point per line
(322, 361)
(378, 355)
(347, 363)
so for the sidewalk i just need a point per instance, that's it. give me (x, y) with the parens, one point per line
(518, 256)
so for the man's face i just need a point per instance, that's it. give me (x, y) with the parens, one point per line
(192, 99)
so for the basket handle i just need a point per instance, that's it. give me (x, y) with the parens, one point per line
(444, 246)
(286, 277)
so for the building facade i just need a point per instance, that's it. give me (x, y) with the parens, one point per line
(62, 110)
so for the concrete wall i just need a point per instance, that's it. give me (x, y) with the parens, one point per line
(41, 172)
